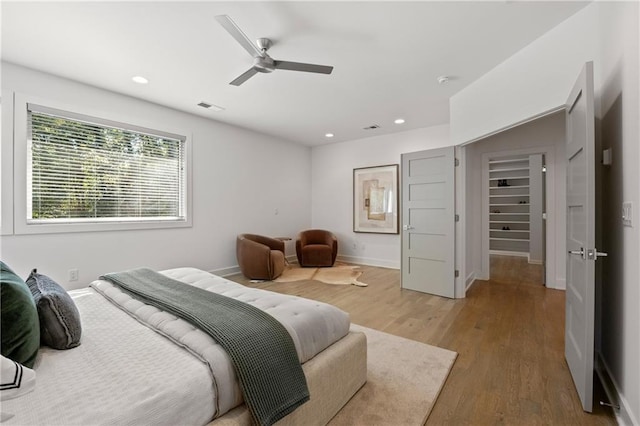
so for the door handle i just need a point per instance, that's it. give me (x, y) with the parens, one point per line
(577, 252)
(594, 254)
(591, 254)
(407, 227)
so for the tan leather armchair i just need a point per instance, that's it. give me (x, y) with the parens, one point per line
(316, 247)
(259, 257)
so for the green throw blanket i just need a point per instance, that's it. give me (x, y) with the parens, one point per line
(260, 348)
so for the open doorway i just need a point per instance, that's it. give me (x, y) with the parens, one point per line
(494, 170)
(516, 200)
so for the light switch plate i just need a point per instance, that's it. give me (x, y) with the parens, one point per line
(627, 214)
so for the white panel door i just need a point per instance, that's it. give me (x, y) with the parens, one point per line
(428, 222)
(580, 296)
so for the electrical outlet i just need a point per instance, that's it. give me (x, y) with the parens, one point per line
(74, 275)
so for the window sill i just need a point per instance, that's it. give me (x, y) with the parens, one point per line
(25, 228)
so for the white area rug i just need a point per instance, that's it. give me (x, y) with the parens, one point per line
(404, 379)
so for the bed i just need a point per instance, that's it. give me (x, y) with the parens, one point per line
(140, 365)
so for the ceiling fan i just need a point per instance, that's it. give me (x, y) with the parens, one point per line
(262, 62)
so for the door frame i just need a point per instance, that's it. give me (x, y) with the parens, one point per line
(552, 252)
(462, 281)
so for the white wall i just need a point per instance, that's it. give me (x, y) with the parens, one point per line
(332, 189)
(240, 178)
(548, 133)
(538, 79)
(620, 114)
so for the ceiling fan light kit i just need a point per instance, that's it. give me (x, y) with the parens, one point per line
(262, 62)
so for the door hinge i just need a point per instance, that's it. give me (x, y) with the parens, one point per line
(456, 162)
(457, 217)
(457, 273)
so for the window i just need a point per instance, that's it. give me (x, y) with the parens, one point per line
(82, 169)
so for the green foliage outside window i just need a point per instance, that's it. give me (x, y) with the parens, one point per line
(81, 170)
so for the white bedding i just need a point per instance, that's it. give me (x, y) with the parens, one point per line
(125, 373)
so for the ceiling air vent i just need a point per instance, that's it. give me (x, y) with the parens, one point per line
(207, 105)
(372, 127)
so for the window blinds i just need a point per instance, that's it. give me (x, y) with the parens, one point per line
(84, 169)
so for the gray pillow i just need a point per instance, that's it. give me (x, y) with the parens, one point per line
(59, 317)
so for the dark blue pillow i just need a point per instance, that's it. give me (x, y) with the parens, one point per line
(59, 317)
(20, 326)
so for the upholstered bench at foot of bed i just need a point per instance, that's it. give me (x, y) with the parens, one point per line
(333, 377)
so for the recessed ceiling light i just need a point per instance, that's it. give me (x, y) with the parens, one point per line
(140, 79)
(443, 79)
(399, 121)
(328, 135)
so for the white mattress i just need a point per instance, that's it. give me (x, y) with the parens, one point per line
(312, 325)
(122, 373)
(125, 373)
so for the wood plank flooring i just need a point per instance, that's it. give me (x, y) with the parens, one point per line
(508, 332)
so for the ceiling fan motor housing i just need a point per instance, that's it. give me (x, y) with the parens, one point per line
(264, 65)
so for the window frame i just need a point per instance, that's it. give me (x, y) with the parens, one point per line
(22, 225)
(6, 164)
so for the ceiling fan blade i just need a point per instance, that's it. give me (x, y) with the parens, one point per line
(244, 77)
(240, 37)
(298, 66)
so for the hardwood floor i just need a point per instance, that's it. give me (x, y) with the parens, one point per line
(508, 332)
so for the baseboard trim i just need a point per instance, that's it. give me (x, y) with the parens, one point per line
(560, 284)
(471, 278)
(509, 253)
(536, 262)
(224, 272)
(624, 414)
(232, 270)
(382, 263)
(293, 259)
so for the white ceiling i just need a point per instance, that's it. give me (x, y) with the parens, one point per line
(387, 56)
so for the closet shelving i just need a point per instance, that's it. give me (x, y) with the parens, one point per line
(509, 203)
